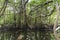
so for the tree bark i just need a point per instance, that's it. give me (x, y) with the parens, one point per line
(56, 22)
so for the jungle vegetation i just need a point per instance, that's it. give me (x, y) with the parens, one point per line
(29, 19)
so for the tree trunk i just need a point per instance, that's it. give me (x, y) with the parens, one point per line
(56, 22)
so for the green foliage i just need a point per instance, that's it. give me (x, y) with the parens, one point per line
(36, 17)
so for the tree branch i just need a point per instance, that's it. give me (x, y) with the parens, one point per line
(3, 8)
(26, 2)
(39, 6)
